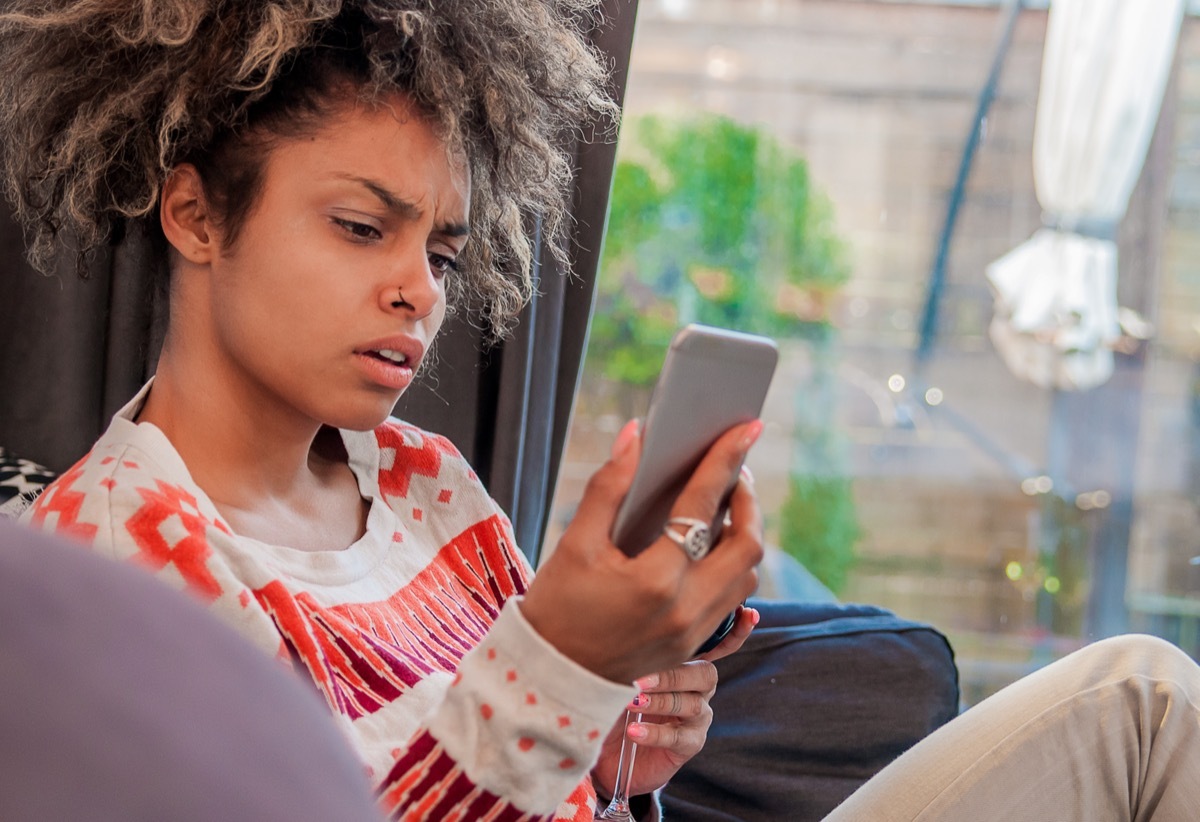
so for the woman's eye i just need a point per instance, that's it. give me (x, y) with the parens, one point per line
(359, 231)
(442, 264)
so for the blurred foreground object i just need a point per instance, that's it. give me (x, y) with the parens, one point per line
(123, 700)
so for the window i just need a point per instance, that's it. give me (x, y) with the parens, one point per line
(785, 166)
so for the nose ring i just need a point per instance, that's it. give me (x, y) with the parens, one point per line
(400, 302)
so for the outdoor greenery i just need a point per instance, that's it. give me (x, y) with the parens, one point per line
(716, 222)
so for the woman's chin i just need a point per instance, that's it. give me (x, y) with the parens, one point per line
(359, 417)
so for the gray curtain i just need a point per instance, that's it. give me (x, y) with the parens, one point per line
(75, 350)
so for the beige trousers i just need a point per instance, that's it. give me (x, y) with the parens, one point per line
(1111, 732)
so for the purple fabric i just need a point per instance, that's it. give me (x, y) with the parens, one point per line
(120, 699)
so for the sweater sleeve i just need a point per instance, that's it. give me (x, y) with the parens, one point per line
(517, 732)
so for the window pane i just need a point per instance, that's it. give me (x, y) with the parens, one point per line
(786, 166)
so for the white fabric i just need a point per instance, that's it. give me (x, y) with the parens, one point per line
(1105, 67)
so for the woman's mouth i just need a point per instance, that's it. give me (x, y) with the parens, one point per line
(390, 356)
(387, 368)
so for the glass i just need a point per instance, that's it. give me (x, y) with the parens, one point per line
(1022, 522)
(618, 807)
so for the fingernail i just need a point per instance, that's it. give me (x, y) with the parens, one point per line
(636, 731)
(647, 682)
(625, 438)
(640, 701)
(748, 474)
(753, 430)
(755, 616)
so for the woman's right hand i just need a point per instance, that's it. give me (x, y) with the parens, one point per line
(623, 617)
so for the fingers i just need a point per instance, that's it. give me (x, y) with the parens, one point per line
(683, 740)
(741, 546)
(699, 676)
(674, 707)
(608, 486)
(709, 485)
(675, 704)
(747, 618)
(717, 472)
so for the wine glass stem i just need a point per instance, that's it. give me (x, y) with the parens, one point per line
(618, 807)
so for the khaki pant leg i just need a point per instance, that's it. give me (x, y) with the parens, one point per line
(1111, 732)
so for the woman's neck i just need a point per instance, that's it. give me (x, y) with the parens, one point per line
(273, 474)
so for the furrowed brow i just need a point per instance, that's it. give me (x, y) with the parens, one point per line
(455, 229)
(398, 205)
(392, 201)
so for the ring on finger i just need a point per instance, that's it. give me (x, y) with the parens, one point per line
(696, 541)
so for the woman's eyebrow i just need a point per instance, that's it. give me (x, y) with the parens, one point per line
(402, 207)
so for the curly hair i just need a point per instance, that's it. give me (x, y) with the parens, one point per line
(99, 99)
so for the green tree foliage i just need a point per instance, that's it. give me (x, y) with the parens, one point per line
(710, 221)
(818, 525)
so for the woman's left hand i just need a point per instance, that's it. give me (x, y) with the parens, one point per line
(676, 716)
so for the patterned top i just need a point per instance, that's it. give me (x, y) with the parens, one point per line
(457, 707)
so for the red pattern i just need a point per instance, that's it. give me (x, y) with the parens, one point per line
(190, 553)
(62, 499)
(361, 656)
(365, 655)
(425, 783)
(424, 459)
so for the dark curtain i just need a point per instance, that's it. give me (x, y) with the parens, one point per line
(75, 350)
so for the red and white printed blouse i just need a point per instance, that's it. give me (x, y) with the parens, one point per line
(457, 707)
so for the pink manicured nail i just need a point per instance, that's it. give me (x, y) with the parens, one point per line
(748, 474)
(647, 682)
(625, 438)
(640, 701)
(636, 731)
(755, 616)
(753, 431)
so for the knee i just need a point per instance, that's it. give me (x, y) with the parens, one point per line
(1140, 655)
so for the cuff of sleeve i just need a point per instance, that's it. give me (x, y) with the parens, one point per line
(564, 680)
(523, 720)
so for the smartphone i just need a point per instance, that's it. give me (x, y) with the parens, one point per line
(712, 379)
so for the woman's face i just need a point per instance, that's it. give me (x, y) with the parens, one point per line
(335, 287)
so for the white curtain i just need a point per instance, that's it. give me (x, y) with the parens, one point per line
(1104, 69)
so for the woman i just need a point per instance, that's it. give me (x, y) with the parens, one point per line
(320, 177)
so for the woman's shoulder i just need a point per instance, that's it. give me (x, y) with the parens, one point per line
(410, 462)
(395, 431)
(124, 472)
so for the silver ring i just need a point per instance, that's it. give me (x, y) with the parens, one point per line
(695, 542)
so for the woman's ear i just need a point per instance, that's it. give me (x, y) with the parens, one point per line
(184, 215)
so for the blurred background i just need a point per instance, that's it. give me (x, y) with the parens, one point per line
(788, 167)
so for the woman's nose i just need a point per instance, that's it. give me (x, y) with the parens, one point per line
(413, 288)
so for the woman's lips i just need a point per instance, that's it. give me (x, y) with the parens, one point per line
(384, 372)
(388, 370)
